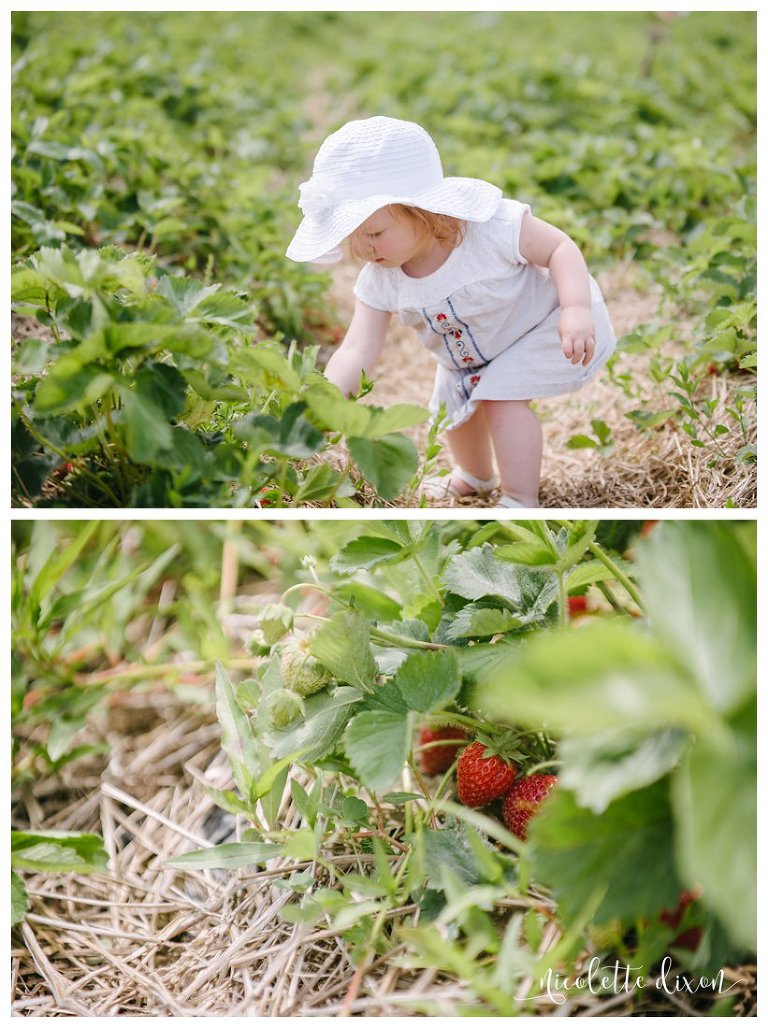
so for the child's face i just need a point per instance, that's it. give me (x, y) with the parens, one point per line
(386, 240)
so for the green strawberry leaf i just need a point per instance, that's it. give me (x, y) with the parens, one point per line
(373, 602)
(289, 436)
(532, 554)
(714, 797)
(477, 573)
(377, 743)
(394, 419)
(599, 769)
(326, 716)
(484, 661)
(57, 851)
(387, 462)
(713, 631)
(450, 851)
(343, 646)
(595, 571)
(575, 851)
(70, 386)
(475, 621)
(334, 411)
(427, 680)
(366, 552)
(576, 543)
(162, 385)
(184, 294)
(263, 365)
(602, 677)
(147, 429)
(237, 737)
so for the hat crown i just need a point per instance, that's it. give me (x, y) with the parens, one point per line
(368, 164)
(376, 156)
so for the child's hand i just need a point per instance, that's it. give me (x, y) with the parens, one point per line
(577, 334)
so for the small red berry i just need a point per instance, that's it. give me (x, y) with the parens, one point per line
(481, 779)
(577, 605)
(437, 759)
(523, 801)
(691, 937)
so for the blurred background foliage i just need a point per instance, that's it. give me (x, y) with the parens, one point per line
(184, 135)
(189, 129)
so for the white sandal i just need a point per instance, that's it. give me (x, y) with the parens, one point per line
(441, 487)
(510, 501)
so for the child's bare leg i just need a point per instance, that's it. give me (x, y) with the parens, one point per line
(517, 443)
(470, 446)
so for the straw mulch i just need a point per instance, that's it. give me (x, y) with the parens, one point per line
(149, 940)
(658, 469)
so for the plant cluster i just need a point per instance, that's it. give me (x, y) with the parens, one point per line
(616, 748)
(154, 395)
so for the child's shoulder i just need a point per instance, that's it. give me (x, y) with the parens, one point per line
(499, 237)
(509, 212)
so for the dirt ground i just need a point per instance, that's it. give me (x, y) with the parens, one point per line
(659, 469)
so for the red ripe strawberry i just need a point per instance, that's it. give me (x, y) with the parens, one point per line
(691, 937)
(577, 605)
(437, 759)
(481, 779)
(524, 799)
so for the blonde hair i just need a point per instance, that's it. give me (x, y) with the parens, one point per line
(448, 231)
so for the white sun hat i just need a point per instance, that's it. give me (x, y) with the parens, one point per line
(368, 164)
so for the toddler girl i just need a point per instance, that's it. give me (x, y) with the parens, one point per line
(502, 299)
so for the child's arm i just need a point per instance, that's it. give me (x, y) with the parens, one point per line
(549, 247)
(360, 349)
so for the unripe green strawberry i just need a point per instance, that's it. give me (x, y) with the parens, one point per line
(284, 706)
(606, 936)
(302, 672)
(273, 621)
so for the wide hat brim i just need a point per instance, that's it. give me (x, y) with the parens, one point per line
(319, 237)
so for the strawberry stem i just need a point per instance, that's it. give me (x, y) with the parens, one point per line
(615, 570)
(427, 578)
(404, 640)
(308, 585)
(562, 600)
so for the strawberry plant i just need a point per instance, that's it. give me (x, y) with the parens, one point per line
(621, 746)
(83, 595)
(146, 389)
(64, 614)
